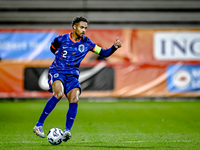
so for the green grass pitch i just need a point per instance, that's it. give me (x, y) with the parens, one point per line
(104, 125)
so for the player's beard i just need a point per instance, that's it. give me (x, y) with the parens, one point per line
(80, 35)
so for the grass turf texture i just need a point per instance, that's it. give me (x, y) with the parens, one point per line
(111, 125)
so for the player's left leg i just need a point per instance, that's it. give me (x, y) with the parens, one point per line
(73, 97)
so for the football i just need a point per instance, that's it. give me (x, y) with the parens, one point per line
(55, 136)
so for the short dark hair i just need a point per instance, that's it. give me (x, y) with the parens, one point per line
(78, 19)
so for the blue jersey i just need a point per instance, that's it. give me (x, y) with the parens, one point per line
(70, 53)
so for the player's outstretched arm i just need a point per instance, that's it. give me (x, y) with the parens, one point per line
(107, 52)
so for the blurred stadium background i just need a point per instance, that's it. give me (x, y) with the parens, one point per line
(160, 57)
(159, 60)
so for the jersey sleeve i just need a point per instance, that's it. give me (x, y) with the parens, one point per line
(90, 44)
(93, 46)
(100, 51)
(55, 44)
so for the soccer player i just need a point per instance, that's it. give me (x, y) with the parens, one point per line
(69, 50)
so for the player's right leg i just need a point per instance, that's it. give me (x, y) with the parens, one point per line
(58, 92)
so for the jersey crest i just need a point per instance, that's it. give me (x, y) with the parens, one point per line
(81, 48)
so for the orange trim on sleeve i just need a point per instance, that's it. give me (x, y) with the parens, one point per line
(53, 46)
(94, 48)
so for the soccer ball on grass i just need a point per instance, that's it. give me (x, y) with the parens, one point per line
(55, 136)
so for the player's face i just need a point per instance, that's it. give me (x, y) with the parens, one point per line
(80, 29)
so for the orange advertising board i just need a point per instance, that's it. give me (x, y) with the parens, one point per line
(151, 63)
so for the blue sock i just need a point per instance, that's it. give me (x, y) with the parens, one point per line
(51, 103)
(71, 115)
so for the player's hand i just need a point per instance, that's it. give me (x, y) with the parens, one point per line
(117, 43)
